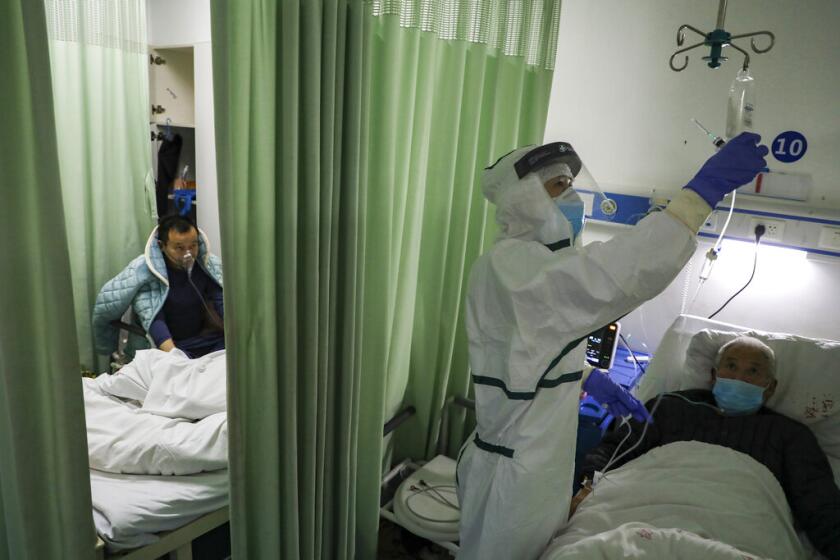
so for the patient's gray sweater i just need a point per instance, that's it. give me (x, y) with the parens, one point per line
(787, 448)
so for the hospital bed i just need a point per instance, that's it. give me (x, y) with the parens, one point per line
(141, 517)
(178, 452)
(704, 501)
(683, 473)
(174, 545)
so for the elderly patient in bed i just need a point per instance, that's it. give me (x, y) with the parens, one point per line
(732, 415)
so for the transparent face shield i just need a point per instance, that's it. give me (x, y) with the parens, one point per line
(585, 183)
(546, 155)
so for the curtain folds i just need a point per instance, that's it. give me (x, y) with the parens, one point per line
(443, 110)
(100, 90)
(519, 28)
(349, 145)
(440, 111)
(290, 144)
(44, 482)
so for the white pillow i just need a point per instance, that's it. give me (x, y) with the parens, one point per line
(808, 374)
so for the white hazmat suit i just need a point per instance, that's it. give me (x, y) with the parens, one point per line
(529, 312)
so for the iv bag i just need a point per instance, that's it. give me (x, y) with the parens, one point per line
(740, 109)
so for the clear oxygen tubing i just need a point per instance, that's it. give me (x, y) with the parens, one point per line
(625, 420)
(188, 262)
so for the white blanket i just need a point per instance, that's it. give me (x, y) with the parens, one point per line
(161, 414)
(685, 500)
(129, 509)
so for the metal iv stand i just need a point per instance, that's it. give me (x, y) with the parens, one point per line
(717, 40)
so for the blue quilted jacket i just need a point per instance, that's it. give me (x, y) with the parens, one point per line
(143, 285)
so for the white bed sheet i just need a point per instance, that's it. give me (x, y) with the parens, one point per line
(129, 509)
(687, 500)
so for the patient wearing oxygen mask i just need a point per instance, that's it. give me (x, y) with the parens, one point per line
(186, 321)
(174, 289)
(732, 414)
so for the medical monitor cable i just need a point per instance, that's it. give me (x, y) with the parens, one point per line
(613, 458)
(632, 354)
(696, 403)
(759, 232)
(626, 419)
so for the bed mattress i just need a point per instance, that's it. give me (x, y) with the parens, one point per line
(129, 509)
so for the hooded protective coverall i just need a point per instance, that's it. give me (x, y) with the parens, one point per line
(530, 309)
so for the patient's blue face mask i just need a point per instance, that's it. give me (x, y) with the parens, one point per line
(736, 397)
(571, 206)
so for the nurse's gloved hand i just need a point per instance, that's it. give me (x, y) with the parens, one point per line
(736, 164)
(615, 397)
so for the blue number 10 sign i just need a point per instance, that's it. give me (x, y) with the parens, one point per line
(789, 146)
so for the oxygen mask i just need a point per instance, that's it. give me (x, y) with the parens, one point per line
(187, 262)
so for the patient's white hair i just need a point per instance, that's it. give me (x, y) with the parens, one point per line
(754, 343)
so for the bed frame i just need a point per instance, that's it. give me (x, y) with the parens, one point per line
(176, 545)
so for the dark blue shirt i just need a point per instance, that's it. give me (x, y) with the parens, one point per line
(183, 315)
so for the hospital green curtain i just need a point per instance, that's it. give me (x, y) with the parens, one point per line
(289, 134)
(100, 86)
(44, 482)
(455, 85)
(350, 136)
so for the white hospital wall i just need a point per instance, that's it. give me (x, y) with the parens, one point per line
(178, 22)
(182, 23)
(617, 101)
(792, 292)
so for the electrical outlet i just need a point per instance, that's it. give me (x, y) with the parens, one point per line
(774, 230)
(829, 238)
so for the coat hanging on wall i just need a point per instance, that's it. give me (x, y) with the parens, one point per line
(168, 155)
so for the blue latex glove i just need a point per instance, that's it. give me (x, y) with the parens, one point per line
(736, 164)
(615, 397)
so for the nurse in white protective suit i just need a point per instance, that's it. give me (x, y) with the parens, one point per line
(533, 299)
